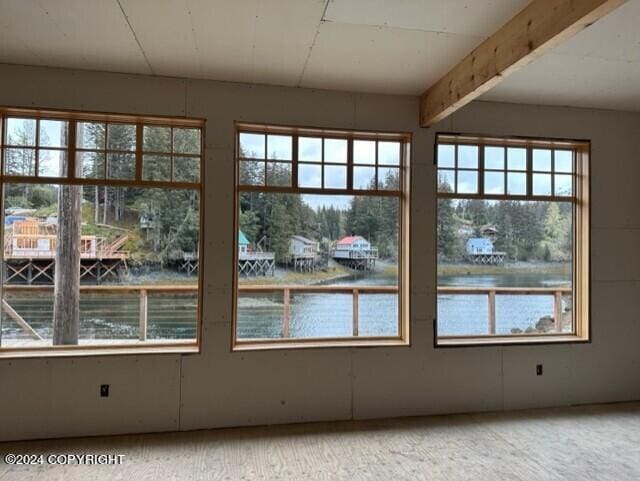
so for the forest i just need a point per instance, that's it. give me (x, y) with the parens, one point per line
(172, 214)
(528, 231)
(277, 216)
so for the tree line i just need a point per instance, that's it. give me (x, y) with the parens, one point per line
(526, 230)
(270, 219)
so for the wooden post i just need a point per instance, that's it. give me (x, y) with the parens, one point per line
(356, 302)
(492, 312)
(557, 310)
(144, 301)
(66, 306)
(285, 315)
(17, 318)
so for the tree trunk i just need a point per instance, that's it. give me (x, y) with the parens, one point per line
(105, 205)
(96, 203)
(66, 305)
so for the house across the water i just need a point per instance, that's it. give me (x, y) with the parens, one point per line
(355, 252)
(481, 250)
(254, 262)
(304, 253)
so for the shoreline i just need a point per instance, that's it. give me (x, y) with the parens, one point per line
(558, 268)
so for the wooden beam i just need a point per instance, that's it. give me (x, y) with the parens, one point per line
(540, 26)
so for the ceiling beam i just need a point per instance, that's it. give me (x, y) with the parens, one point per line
(540, 26)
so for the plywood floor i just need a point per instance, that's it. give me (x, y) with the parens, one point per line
(584, 443)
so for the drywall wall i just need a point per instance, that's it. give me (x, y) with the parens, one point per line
(60, 397)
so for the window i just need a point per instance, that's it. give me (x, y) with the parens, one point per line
(101, 220)
(321, 255)
(513, 240)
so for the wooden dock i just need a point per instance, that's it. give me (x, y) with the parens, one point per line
(30, 254)
(256, 263)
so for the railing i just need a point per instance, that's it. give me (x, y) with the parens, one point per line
(90, 247)
(491, 292)
(355, 254)
(254, 256)
(143, 292)
(287, 291)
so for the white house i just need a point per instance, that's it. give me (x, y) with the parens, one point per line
(300, 246)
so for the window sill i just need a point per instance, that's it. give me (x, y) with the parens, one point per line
(84, 351)
(279, 344)
(510, 340)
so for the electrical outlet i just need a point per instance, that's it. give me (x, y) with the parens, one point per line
(104, 390)
(539, 370)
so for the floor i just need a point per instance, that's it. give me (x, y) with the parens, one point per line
(581, 443)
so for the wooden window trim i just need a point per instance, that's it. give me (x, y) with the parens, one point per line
(74, 116)
(580, 198)
(403, 338)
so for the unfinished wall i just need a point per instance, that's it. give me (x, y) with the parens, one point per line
(60, 397)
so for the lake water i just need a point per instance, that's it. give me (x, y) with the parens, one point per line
(311, 314)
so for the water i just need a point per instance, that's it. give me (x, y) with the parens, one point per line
(468, 314)
(173, 316)
(330, 315)
(107, 316)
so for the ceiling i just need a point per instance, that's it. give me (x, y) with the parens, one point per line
(383, 46)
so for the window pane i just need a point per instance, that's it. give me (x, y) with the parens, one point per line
(541, 184)
(186, 141)
(494, 183)
(364, 152)
(156, 139)
(52, 163)
(252, 173)
(516, 183)
(388, 178)
(542, 160)
(564, 161)
(364, 178)
(121, 166)
(388, 153)
(309, 175)
(564, 185)
(279, 147)
(310, 149)
(446, 181)
(252, 146)
(186, 169)
(121, 137)
(90, 165)
(21, 132)
(19, 161)
(335, 177)
(467, 182)
(90, 135)
(156, 167)
(468, 156)
(494, 248)
(516, 158)
(53, 133)
(335, 150)
(335, 243)
(108, 239)
(279, 174)
(446, 156)
(494, 158)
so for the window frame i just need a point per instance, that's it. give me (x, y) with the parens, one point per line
(403, 195)
(581, 231)
(72, 177)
